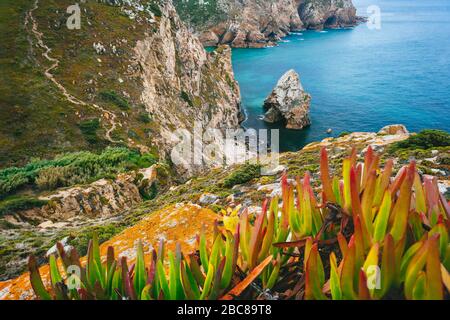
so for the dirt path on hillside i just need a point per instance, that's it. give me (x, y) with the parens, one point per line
(107, 115)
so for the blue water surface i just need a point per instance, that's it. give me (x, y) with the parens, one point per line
(359, 79)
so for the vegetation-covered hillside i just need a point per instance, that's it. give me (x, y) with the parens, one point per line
(111, 82)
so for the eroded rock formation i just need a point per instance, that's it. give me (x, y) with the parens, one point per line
(288, 102)
(182, 83)
(253, 23)
(319, 14)
(101, 199)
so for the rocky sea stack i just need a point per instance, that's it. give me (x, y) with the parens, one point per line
(288, 102)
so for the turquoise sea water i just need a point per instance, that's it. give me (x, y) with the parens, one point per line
(360, 79)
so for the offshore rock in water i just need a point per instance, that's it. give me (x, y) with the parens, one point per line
(288, 102)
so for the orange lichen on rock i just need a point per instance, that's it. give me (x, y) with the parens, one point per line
(174, 224)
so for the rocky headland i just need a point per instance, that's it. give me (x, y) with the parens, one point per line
(256, 24)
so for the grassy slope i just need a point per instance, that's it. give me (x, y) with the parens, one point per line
(35, 119)
(200, 15)
(33, 116)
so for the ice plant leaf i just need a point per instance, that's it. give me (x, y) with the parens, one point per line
(383, 182)
(388, 265)
(274, 274)
(406, 259)
(348, 271)
(55, 276)
(445, 277)
(36, 280)
(401, 208)
(268, 238)
(325, 177)
(381, 221)
(342, 244)
(367, 201)
(204, 257)
(314, 274)
(244, 235)
(443, 238)
(256, 239)
(335, 282)
(347, 193)
(419, 195)
(238, 289)
(414, 267)
(363, 291)
(189, 284)
(419, 290)
(140, 275)
(163, 281)
(435, 290)
(208, 281)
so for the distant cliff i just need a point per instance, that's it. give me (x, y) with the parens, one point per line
(255, 23)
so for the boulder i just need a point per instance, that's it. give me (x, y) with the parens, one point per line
(394, 129)
(208, 198)
(288, 102)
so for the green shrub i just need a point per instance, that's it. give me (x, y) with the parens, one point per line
(242, 175)
(54, 177)
(425, 139)
(155, 9)
(73, 168)
(144, 117)
(15, 204)
(114, 97)
(89, 129)
(185, 96)
(344, 133)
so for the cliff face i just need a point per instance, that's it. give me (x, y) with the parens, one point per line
(318, 14)
(250, 23)
(130, 75)
(256, 23)
(182, 83)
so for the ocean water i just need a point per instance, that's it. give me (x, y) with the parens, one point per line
(359, 79)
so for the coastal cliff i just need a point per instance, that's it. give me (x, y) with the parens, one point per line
(319, 14)
(252, 23)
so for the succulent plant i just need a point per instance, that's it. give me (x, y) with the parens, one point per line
(190, 278)
(367, 236)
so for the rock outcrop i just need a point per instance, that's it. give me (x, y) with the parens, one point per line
(394, 129)
(319, 14)
(101, 199)
(182, 83)
(242, 24)
(288, 102)
(253, 23)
